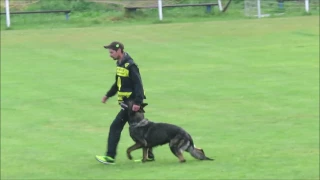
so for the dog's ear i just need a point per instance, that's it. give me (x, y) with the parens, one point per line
(144, 105)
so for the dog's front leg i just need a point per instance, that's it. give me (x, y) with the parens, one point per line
(132, 148)
(142, 141)
(144, 154)
(145, 143)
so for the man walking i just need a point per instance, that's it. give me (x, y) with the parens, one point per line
(128, 84)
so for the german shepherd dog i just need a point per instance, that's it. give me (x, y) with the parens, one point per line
(147, 134)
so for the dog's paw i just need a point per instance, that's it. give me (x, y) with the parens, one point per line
(182, 161)
(129, 156)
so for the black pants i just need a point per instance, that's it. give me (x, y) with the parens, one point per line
(115, 133)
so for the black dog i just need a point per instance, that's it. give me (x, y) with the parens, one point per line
(148, 134)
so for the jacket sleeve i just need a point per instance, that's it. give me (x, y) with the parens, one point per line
(134, 74)
(113, 90)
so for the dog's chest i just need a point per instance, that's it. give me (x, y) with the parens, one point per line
(138, 132)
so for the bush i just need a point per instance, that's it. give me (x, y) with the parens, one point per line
(74, 5)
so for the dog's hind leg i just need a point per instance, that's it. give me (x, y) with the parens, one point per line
(177, 152)
(180, 156)
(132, 148)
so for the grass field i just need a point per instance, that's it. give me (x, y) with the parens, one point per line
(246, 90)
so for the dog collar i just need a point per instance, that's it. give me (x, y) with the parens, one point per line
(143, 122)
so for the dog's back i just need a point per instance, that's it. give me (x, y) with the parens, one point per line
(161, 133)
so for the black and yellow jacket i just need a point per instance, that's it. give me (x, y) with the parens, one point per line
(128, 81)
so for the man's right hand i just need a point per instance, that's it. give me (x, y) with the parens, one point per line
(104, 99)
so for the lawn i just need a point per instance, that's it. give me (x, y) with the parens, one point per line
(246, 90)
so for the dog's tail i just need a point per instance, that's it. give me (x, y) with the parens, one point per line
(197, 153)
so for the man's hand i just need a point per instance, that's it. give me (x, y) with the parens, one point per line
(135, 107)
(104, 99)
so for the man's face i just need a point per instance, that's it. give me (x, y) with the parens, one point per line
(115, 55)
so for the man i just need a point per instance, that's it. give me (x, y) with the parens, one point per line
(128, 84)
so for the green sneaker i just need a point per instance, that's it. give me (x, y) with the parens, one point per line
(105, 159)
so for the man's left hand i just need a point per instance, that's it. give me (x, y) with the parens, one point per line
(135, 107)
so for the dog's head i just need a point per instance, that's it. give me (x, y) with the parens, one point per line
(127, 105)
(133, 115)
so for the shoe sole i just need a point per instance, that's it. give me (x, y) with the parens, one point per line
(105, 162)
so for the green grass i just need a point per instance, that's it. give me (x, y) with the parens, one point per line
(246, 90)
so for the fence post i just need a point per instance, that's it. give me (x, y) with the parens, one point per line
(160, 9)
(67, 16)
(7, 13)
(307, 5)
